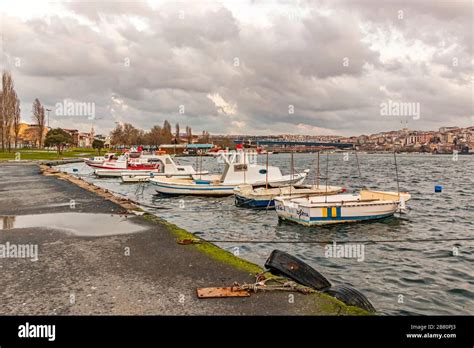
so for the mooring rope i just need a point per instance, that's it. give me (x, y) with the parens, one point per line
(369, 241)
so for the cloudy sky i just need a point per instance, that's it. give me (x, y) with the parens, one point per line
(244, 67)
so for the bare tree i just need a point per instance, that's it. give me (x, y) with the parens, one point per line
(9, 109)
(38, 115)
(177, 139)
(6, 107)
(117, 135)
(166, 132)
(189, 134)
(154, 136)
(16, 119)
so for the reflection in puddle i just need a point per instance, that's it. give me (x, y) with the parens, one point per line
(80, 224)
(8, 222)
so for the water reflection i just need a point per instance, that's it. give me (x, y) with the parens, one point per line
(8, 222)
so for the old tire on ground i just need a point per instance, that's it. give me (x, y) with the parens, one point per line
(350, 296)
(281, 263)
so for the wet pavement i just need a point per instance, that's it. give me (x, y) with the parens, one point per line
(92, 261)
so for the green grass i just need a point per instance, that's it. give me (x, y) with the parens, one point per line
(33, 154)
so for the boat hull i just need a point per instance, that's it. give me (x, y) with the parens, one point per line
(113, 173)
(242, 201)
(174, 188)
(334, 212)
(261, 198)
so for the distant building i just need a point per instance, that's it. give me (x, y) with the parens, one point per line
(28, 135)
(80, 139)
(447, 129)
(104, 138)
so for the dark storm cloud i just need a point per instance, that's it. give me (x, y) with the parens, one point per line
(140, 64)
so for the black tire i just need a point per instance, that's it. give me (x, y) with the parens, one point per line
(350, 296)
(281, 263)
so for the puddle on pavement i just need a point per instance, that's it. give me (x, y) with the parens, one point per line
(79, 224)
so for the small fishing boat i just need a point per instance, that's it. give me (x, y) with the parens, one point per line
(99, 159)
(159, 165)
(136, 178)
(177, 186)
(262, 197)
(340, 208)
(113, 173)
(240, 168)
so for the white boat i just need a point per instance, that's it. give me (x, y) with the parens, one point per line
(340, 208)
(161, 165)
(99, 159)
(114, 173)
(135, 178)
(240, 168)
(261, 197)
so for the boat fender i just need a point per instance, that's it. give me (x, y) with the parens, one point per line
(281, 263)
(351, 297)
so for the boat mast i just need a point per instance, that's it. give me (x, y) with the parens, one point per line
(358, 168)
(197, 162)
(292, 171)
(396, 172)
(245, 163)
(317, 173)
(327, 175)
(266, 174)
(200, 166)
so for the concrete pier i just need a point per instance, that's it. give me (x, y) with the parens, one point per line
(138, 271)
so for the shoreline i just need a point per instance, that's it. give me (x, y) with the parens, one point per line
(221, 267)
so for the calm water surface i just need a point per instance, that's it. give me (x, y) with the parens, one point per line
(430, 278)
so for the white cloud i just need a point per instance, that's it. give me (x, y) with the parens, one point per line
(221, 105)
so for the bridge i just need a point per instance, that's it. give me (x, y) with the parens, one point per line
(260, 142)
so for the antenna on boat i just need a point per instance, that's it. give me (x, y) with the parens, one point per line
(266, 174)
(327, 176)
(396, 172)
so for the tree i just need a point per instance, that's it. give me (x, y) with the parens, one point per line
(166, 132)
(176, 138)
(117, 135)
(153, 137)
(38, 116)
(189, 135)
(205, 138)
(9, 110)
(16, 120)
(130, 134)
(98, 144)
(59, 138)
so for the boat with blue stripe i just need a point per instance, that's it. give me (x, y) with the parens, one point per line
(341, 208)
(248, 196)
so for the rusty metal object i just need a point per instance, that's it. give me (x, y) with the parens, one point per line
(222, 292)
(188, 241)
